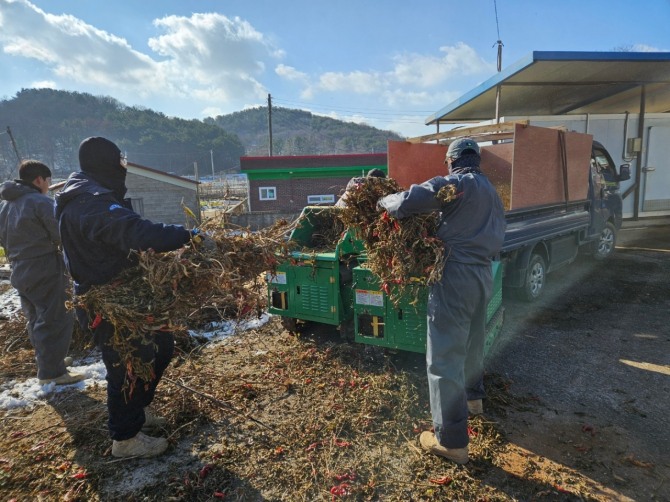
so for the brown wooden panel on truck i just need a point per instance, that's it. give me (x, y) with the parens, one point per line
(526, 173)
(537, 176)
(415, 162)
(496, 164)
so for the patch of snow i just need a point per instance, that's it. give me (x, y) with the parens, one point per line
(29, 393)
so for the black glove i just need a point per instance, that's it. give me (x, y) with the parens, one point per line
(203, 241)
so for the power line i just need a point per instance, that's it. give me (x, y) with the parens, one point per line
(369, 111)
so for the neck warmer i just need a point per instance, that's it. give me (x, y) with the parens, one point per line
(468, 163)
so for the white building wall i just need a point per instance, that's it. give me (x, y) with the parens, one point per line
(613, 132)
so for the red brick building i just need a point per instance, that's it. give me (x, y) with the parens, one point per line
(289, 183)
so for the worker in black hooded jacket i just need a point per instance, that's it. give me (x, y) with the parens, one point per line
(98, 229)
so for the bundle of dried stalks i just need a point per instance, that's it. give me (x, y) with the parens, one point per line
(403, 253)
(186, 288)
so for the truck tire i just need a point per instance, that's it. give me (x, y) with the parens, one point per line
(604, 246)
(536, 276)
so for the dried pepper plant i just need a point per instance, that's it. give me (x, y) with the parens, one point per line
(186, 287)
(404, 253)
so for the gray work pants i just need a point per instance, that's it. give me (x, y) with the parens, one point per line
(455, 347)
(42, 284)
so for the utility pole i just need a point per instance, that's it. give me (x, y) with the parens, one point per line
(16, 150)
(211, 156)
(270, 121)
(197, 193)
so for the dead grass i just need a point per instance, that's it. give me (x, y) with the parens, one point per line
(269, 416)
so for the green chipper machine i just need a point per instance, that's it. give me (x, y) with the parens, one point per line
(329, 284)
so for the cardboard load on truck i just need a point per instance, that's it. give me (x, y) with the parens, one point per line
(539, 167)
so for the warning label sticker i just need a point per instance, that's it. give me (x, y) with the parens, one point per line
(279, 278)
(372, 298)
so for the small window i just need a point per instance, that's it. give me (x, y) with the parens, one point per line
(267, 193)
(604, 166)
(320, 199)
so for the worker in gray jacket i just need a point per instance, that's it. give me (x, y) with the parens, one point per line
(29, 236)
(472, 228)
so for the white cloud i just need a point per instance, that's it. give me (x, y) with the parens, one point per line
(207, 56)
(211, 111)
(414, 79)
(290, 73)
(644, 48)
(44, 84)
(430, 71)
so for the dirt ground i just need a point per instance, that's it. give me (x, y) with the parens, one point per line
(578, 409)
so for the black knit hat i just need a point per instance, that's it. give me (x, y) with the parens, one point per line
(101, 159)
(99, 155)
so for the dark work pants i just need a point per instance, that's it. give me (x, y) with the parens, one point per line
(43, 287)
(126, 410)
(455, 347)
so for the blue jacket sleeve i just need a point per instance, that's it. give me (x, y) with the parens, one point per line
(119, 227)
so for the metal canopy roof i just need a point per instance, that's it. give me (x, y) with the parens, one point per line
(559, 83)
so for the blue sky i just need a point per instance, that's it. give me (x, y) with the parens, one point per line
(386, 63)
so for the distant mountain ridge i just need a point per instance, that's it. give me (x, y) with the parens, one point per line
(298, 132)
(49, 124)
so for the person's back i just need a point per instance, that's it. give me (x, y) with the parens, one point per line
(27, 225)
(29, 235)
(473, 225)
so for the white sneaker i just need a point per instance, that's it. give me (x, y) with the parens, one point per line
(140, 446)
(66, 378)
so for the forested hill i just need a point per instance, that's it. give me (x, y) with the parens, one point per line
(297, 132)
(49, 124)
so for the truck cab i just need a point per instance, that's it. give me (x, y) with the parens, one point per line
(605, 201)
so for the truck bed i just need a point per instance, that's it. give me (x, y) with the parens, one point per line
(534, 224)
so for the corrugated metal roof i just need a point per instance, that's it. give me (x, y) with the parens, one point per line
(558, 83)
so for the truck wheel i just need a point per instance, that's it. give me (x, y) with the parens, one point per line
(536, 276)
(604, 246)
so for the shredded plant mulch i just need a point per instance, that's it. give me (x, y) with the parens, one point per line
(265, 415)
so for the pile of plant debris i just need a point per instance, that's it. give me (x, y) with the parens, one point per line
(268, 416)
(404, 253)
(187, 287)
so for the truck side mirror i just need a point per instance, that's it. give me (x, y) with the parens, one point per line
(624, 172)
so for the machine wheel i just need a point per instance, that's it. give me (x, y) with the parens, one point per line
(604, 246)
(536, 276)
(347, 330)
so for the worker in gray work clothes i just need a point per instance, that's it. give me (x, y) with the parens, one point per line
(472, 227)
(29, 235)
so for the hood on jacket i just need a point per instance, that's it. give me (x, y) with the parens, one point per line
(77, 184)
(12, 190)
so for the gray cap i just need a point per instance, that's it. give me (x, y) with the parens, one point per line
(457, 147)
